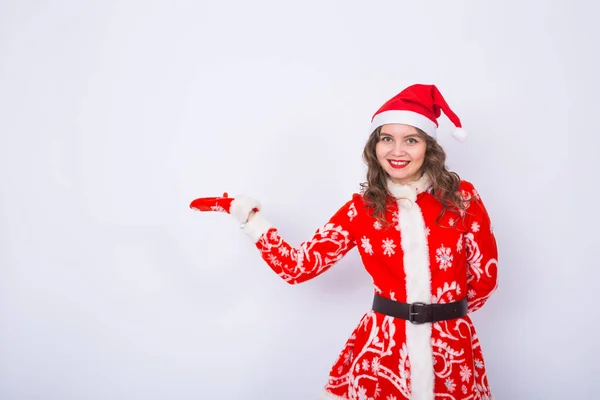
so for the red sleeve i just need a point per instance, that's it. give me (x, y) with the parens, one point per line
(482, 252)
(311, 258)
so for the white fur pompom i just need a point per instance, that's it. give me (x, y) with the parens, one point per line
(460, 134)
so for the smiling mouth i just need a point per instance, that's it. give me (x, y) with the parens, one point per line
(398, 164)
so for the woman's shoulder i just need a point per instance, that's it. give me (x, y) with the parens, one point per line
(467, 189)
(357, 197)
(354, 204)
(359, 200)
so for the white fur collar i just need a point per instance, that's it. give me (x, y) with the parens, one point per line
(409, 190)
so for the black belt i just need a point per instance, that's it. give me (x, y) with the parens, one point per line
(420, 313)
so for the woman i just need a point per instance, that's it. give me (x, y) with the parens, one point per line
(426, 239)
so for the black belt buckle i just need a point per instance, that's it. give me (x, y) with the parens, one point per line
(411, 313)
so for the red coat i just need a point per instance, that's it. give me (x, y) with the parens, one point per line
(414, 260)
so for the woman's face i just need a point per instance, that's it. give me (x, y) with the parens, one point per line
(401, 152)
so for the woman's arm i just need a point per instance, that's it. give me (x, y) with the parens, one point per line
(311, 258)
(482, 254)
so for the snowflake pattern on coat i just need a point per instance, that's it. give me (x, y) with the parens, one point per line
(444, 257)
(379, 360)
(366, 245)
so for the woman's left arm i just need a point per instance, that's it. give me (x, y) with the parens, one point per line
(482, 253)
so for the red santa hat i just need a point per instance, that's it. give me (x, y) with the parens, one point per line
(419, 106)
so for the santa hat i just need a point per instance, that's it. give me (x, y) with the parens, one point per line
(419, 106)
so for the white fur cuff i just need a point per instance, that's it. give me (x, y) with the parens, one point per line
(241, 207)
(257, 227)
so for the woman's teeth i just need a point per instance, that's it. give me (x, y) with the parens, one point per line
(399, 164)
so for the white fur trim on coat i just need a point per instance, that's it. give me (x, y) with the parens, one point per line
(241, 207)
(418, 285)
(256, 227)
(409, 191)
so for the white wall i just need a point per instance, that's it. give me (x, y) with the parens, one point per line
(114, 115)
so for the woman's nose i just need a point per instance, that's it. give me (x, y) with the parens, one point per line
(398, 150)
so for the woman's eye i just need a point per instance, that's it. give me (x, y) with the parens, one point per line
(412, 140)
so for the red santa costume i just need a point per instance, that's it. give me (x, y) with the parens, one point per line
(416, 263)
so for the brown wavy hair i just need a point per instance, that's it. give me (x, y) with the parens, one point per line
(445, 183)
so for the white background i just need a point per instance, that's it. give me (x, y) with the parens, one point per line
(114, 115)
